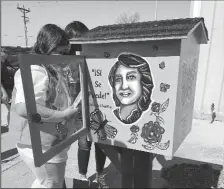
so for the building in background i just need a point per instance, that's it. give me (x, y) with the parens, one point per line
(210, 79)
(13, 53)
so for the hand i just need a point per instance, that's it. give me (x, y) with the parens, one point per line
(77, 100)
(73, 109)
(5, 97)
(70, 112)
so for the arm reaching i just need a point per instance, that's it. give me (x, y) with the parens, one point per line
(47, 115)
(40, 83)
(77, 100)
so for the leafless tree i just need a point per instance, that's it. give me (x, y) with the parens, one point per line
(124, 18)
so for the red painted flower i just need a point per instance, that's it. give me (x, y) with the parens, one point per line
(134, 129)
(152, 132)
(155, 107)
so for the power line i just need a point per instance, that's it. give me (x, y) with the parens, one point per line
(6, 35)
(156, 9)
(25, 20)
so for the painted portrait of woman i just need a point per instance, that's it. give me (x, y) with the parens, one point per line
(131, 82)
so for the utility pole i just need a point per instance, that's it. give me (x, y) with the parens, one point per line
(25, 20)
(156, 7)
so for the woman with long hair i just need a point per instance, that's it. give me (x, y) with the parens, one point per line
(132, 83)
(54, 104)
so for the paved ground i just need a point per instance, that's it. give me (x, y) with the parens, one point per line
(203, 144)
(3, 115)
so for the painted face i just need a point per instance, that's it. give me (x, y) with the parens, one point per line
(127, 84)
(62, 50)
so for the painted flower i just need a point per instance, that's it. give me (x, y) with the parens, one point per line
(152, 132)
(134, 129)
(164, 87)
(162, 65)
(155, 107)
(157, 124)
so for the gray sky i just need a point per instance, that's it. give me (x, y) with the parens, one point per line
(91, 13)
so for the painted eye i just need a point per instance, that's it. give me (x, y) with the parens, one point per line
(117, 79)
(131, 77)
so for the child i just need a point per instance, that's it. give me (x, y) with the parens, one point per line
(76, 29)
(7, 82)
(54, 105)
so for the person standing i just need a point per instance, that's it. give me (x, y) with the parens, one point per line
(57, 110)
(7, 82)
(76, 29)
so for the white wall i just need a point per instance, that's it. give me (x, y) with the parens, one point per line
(210, 80)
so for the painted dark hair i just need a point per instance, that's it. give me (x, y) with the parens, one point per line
(50, 37)
(75, 29)
(131, 60)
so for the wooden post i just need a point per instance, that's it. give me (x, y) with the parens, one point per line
(127, 168)
(142, 169)
(136, 169)
(135, 166)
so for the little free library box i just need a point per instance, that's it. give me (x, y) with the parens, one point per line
(141, 82)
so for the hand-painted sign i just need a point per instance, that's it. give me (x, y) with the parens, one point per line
(127, 106)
